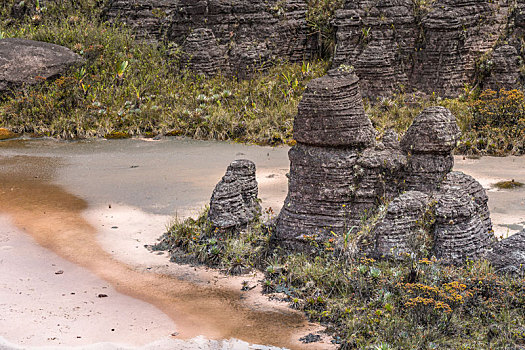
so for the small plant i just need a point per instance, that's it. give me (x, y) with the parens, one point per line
(121, 69)
(505, 185)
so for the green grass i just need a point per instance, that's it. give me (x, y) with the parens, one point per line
(129, 87)
(136, 88)
(415, 303)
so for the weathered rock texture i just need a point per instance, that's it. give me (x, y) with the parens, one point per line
(234, 200)
(508, 255)
(402, 224)
(433, 46)
(337, 179)
(227, 36)
(29, 62)
(331, 113)
(429, 141)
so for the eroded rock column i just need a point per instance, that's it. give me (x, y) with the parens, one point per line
(331, 131)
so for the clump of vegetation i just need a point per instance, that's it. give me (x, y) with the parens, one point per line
(6, 134)
(232, 250)
(505, 185)
(492, 123)
(319, 17)
(413, 303)
(498, 122)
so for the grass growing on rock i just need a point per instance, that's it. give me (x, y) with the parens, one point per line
(414, 303)
(135, 88)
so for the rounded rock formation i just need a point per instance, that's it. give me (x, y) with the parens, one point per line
(234, 200)
(400, 226)
(331, 113)
(429, 141)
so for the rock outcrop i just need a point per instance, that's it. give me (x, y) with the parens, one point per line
(339, 179)
(331, 113)
(234, 200)
(221, 36)
(331, 130)
(508, 255)
(460, 232)
(427, 46)
(27, 62)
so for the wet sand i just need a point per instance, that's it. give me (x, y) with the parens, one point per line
(196, 302)
(507, 207)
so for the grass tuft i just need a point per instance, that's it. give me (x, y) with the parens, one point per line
(505, 185)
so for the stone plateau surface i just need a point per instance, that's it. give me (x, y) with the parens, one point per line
(233, 37)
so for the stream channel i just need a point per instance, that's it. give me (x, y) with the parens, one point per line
(74, 220)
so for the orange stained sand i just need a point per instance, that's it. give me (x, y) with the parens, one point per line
(53, 217)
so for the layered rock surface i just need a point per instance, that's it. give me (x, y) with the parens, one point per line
(395, 234)
(227, 36)
(429, 141)
(339, 179)
(323, 183)
(508, 255)
(427, 46)
(29, 62)
(234, 200)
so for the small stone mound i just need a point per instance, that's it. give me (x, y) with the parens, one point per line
(30, 62)
(401, 224)
(459, 232)
(473, 188)
(234, 200)
(244, 170)
(508, 255)
(331, 113)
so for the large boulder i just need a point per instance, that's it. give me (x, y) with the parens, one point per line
(28, 62)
